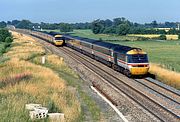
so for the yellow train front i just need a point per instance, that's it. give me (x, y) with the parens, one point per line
(58, 40)
(137, 61)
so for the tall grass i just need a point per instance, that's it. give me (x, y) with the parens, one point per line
(72, 79)
(168, 77)
(25, 82)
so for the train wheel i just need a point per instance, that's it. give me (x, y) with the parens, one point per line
(113, 67)
(127, 73)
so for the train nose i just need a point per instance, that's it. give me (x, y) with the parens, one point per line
(139, 70)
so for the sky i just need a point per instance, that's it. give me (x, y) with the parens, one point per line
(72, 11)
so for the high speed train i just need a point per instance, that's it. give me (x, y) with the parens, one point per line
(52, 37)
(128, 60)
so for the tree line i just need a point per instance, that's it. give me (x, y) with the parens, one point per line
(122, 26)
(119, 26)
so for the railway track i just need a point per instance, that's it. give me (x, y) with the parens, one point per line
(157, 109)
(165, 92)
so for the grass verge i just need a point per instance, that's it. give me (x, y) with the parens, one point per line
(24, 82)
(56, 64)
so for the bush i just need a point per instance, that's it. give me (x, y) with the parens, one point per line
(8, 39)
(4, 33)
(179, 36)
(143, 38)
(7, 45)
(162, 37)
(3, 50)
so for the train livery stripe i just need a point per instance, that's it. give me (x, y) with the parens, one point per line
(107, 56)
(122, 61)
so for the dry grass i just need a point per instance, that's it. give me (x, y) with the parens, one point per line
(43, 86)
(168, 77)
(169, 37)
(24, 47)
(55, 60)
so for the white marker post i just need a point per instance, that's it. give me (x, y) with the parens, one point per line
(43, 60)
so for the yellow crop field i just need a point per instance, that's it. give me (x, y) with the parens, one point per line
(172, 37)
(169, 37)
(147, 35)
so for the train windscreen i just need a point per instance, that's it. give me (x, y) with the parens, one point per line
(59, 38)
(138, 58)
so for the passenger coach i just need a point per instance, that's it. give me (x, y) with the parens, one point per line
(128, 60)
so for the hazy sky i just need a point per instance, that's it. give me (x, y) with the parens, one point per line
(88, 10)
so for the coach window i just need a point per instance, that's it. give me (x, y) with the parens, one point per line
(85, 44)
(121, 57)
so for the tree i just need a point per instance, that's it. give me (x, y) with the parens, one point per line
(117, 21)
(14, 22)
(65, 27)
(24, 24)
(173, 31)
(162, 37)
(122, 29)
(8, 39)
(108, 23)
(97, 27)
(3, 34)
(2, 24)
(109, 30)
(154, 24)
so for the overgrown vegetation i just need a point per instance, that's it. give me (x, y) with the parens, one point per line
(5, 40)
(3, 24)
(73, 80)
(23, 82)
(25, 79)
(162, 37)
(169, 77)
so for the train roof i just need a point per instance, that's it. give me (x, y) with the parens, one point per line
(56, 36)
(122, 49)
(114, 47)
(53, 33)
(105, 44)
(81, 39)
